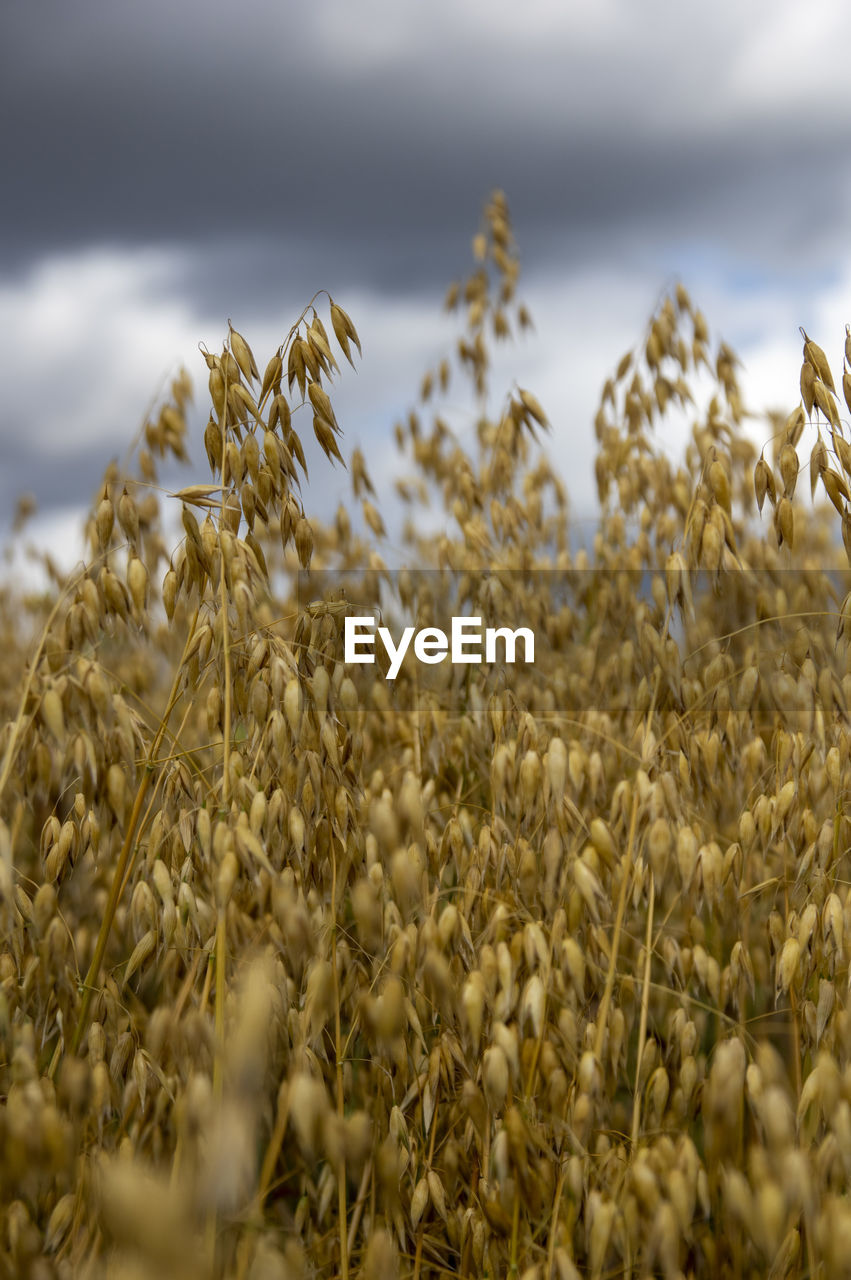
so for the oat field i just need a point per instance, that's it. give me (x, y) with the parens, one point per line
(483, 971)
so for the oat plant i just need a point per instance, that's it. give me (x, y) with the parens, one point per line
(485, 970)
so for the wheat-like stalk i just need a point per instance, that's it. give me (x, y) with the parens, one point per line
(533, 968)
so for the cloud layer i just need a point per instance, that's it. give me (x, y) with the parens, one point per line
(171, 166)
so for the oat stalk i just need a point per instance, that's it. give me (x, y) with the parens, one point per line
(91, 978)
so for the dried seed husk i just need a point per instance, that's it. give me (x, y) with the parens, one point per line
(764, 483)
(324, 432)
(825, 402)
(104, 520)
(720, 484)
(128, 517)
(242, 354)
(846, 535)
(137, 584)
(304, 541)
(419, 1201)
(272, 376)
(345, 330)
(836, 488)
(788, 463)
(808, 379)
(816, 357)
(818, 461)
(785, 522)
(842, 450)
(141, 952)
(533, 405)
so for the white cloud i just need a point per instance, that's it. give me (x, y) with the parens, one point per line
(90, 336)
(790, 60)
(57, 534)
(678, 71)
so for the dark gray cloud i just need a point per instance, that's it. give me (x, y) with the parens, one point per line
(198, 124)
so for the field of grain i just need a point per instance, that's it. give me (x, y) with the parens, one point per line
(535, 971)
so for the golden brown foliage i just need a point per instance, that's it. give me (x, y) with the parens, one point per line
(308, 973)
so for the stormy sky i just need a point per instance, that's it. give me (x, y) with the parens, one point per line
(167, 166)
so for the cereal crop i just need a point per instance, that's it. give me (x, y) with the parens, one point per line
(535, 970)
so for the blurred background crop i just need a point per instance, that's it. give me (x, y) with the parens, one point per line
(166, 167)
